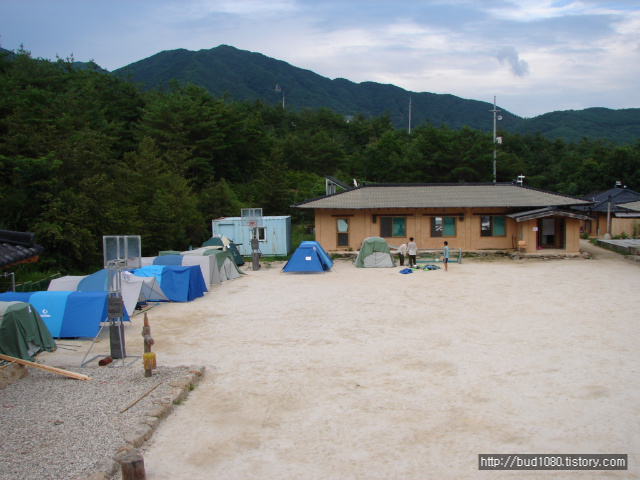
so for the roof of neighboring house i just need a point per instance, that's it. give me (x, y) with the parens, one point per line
(17, 247)
(618, 195)
(456, 195)
(631, 206)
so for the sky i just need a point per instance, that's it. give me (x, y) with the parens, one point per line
(533, 56)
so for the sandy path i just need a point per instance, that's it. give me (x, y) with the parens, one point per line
(369, 374)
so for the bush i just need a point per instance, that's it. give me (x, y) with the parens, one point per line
(584, 235)
(300, 233)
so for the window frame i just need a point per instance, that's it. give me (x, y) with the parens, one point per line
(392, 219)
(342, 236)
(435, 233)
(492, 225)
(260, 233)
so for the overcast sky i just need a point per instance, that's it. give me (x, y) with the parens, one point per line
(535, 56)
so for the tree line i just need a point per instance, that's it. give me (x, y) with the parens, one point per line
(84, 153)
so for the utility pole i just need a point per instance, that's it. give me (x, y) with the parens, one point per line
(409, 115)
(495, 148)
(279, 89)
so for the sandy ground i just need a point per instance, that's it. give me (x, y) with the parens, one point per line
(370, 374)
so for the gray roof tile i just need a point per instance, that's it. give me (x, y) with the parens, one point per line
(635, 206)
(441, 196)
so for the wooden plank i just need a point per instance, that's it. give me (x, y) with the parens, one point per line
(141, 396)
(59, 371)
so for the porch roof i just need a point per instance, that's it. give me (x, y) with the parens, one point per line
(458, 195)
(548, 212)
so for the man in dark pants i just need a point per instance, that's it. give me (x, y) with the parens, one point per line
(412, 252)
(402, 251)
(445, 255)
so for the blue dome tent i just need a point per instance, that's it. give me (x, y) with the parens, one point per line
(67, 314)
(309, 257)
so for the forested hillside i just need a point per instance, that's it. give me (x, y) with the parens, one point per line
(85, 154)
(250, 76)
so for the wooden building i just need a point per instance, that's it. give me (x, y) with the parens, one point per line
(472, 217)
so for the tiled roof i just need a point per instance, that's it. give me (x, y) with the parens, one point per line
(618, 196)
(457, 195)
(17, 247)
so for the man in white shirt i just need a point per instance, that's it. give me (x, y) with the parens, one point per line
(412, 252)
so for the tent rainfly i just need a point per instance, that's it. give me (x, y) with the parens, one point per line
(23, 334)
(223, 243)
(208, 264)
(374, 252)
(179, 283)
(67, 314)
(309, 257)
(134, 289)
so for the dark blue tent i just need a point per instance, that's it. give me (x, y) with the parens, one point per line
(179, 283)
(309, 257)
(67, 314)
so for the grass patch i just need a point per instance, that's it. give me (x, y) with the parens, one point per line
(28, 278)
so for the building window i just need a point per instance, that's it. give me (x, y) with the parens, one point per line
(343, 232)
(260, 233)
(492, 226)
(392, 227)
(443, 226)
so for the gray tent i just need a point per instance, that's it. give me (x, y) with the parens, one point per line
(228, 268)
(134, 289)
(204, 257)
(375, 252)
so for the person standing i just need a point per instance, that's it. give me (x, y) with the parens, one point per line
(402, 251)
(445, 255)
(412, 252)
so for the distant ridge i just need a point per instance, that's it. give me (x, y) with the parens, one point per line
(249, 76)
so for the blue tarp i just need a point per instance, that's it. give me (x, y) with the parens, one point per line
(178, 283)
(67, 314)
(308, 257)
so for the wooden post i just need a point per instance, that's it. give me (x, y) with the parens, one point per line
(148, 357)
(132, 467)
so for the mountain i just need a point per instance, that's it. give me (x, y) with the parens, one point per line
(248, 76)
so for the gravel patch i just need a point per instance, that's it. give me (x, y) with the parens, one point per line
(55, 427)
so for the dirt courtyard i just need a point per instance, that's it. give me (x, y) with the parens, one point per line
(371, 374)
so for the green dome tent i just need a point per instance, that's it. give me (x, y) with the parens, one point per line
(375, 252)
(23, 334)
